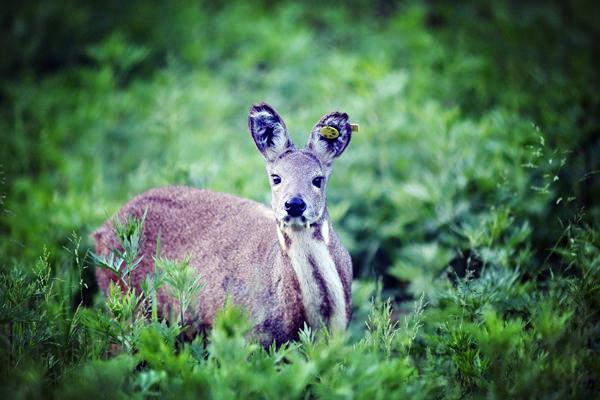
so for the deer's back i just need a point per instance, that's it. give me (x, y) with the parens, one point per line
(231, 242)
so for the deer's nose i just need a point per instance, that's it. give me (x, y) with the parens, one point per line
(295, 206)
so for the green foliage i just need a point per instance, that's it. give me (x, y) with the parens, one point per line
(491, 336)
(468, 200)
(182, 280)
(125, 304)
(123, 263)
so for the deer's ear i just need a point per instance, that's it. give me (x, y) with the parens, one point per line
(268, 131)
(330, 136)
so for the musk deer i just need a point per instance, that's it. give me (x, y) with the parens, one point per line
(285, 266)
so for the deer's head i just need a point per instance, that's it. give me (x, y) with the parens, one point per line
(298, 177)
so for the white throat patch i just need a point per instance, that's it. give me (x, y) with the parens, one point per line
(325, 232)
(320, 284)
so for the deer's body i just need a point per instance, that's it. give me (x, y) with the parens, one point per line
(285, 268)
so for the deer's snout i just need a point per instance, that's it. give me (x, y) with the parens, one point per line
(295, 207)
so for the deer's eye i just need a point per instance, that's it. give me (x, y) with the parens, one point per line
(318, 181)
(276, 179)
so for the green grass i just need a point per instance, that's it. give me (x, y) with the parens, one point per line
(468, 198)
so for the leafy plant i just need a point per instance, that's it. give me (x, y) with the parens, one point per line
(123, 262)
(183, 281)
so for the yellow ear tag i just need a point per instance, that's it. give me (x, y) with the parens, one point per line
(329, 132)
(354, 127)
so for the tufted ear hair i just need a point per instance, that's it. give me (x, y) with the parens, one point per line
(268, 131)
(329, 146)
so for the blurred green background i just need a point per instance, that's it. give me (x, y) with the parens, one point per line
(478, 146)
(469, 113)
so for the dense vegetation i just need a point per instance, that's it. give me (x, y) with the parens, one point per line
(468, 200)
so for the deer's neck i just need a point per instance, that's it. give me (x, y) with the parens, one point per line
(308, 250)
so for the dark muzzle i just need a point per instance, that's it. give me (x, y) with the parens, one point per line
(295, 207)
